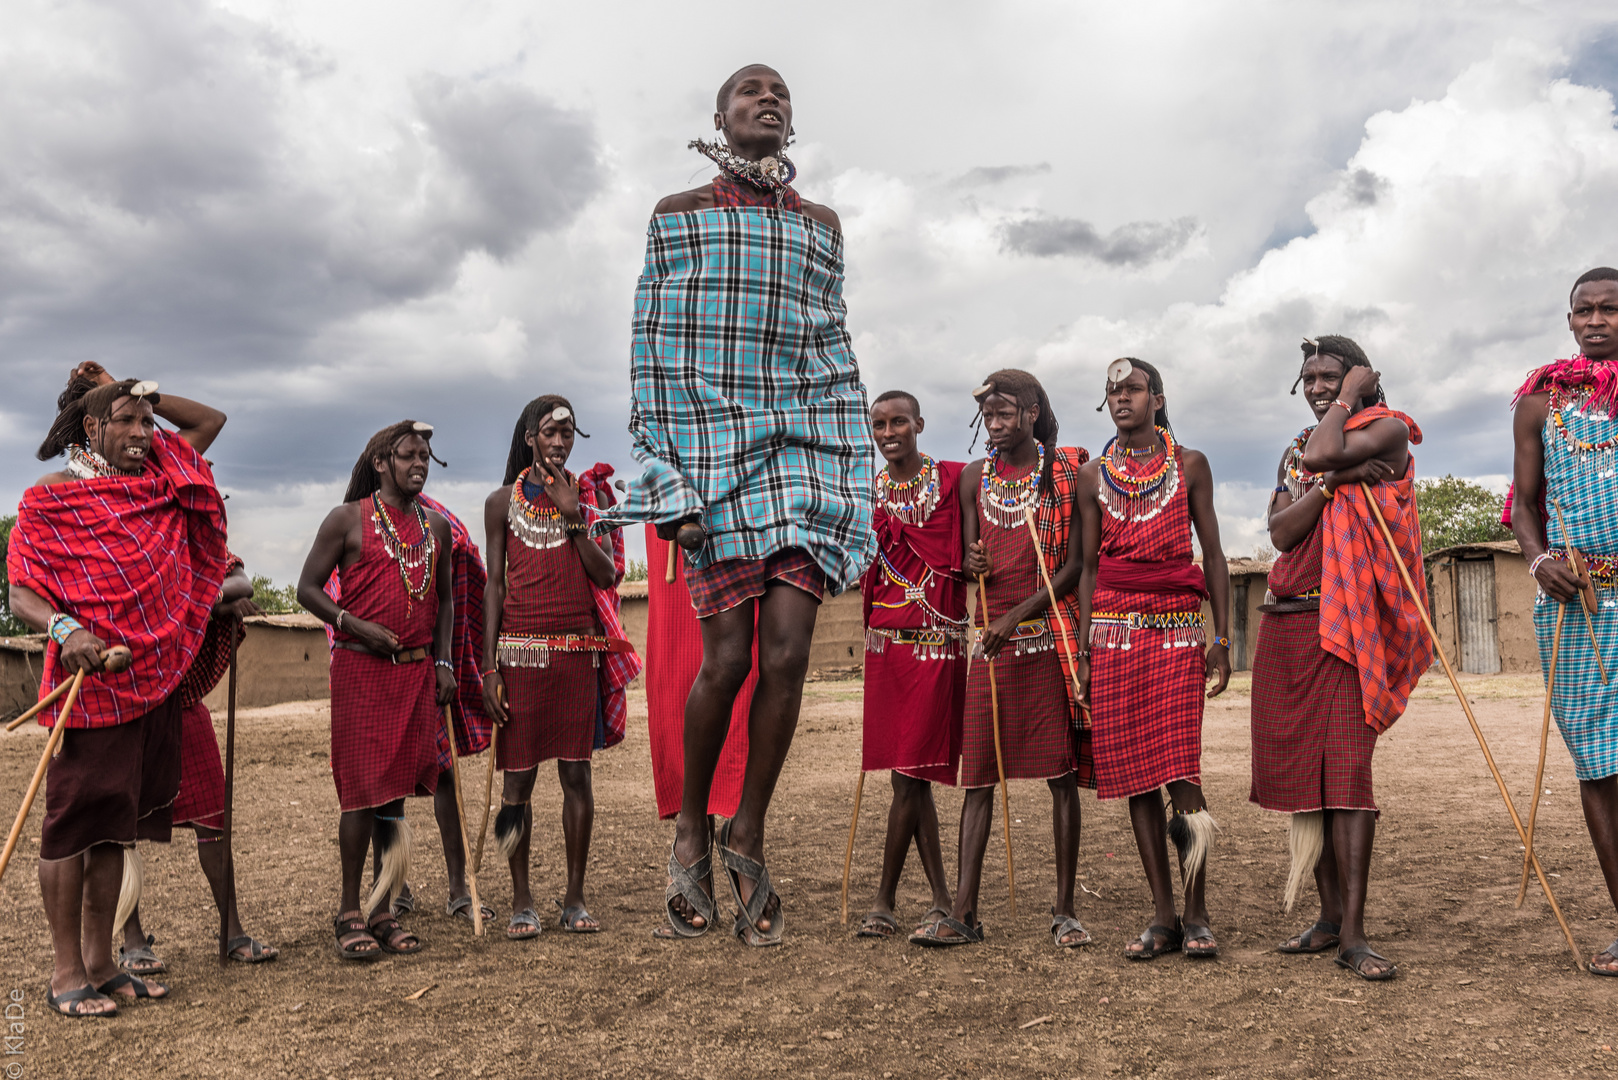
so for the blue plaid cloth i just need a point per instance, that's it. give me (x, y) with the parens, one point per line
(748, 408)
(1583, 485)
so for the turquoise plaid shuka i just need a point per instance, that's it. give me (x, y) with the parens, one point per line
(748, 408)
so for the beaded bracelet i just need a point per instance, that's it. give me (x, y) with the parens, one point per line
(1346, 406)
(1329, 493)
(339, 622)
(492, 671)
(1533, 567)
(62, 626)
(1219, 640)
(444, 664)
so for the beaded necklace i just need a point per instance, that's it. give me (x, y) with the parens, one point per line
(1596, 456)
(919, 494)
(423, 554)
(538, 527)
(1138, 498)
(1004, 501)
(772, 174)
(1299, 479)
(87, 464)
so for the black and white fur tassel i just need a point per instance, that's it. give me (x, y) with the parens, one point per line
(1192, 835)
(392, 840)
(508, 828)
(1306, 838)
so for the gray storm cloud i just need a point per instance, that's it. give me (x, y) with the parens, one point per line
(1135, 245)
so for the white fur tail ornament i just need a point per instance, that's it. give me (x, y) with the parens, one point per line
(1192, 835)
(1307, 841)
(392, 839)
(508, 828)
(129, 889)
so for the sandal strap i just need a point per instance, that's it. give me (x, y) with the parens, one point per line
(1062, 925)
(739, 865)
(687, 882)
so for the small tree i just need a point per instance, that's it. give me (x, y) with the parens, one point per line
(10, 625)
(275, 601)
(1455, 511)
(635, 570)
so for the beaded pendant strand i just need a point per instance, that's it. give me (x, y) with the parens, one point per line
(422, 555)
(537, 527)
(1597, 457)
(1128, 497)
(1299, 479)
(916, 497)
(1004, 501)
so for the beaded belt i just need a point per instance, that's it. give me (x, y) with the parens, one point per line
(403, 656)
(927, 644)
(1030, 636)
(1603, 568)
(522, 650)
(1271, 598)
(1111, 629)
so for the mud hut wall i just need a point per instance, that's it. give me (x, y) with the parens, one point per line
(839, 641)
(276, 664)
(1444, 606)
(1514, 593)
(21, 662)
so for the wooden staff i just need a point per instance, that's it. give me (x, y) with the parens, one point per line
(1587, 591)
(1426, 621)
(1067, 636)
(1544, 738)
(999, 760)
(230, 798)
(488, 799)
(848, 856)
(460, 813)
(118, 658)
(668, 574)
(39, 773)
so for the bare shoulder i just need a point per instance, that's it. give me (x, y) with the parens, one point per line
(1196, 462)
(823, 214)
(498, 499)
(698, 198)
(52, 478)
(343, 518)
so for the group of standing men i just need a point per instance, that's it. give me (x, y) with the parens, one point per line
(1090, 653)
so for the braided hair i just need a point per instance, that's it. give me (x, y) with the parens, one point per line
(1026, 391)
(1154, 385)
(82, 398)
(533, 414)
(365, 481)
(1345, 349)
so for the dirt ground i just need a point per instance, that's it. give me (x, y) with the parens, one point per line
(1483, 988)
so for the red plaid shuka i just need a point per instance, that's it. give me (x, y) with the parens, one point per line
(1146, 700)
(1366, 617)
(730, 582)
(617, 670)
(139, 561)
(201, 800)
(1054, 519)
(728, 192)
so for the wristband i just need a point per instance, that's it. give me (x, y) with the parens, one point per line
(1327, 492)
(1533, 567)
(575, 528)
(62, 626)
(492, 671)
(1346, 406)
(339, 622)
(444, 664)
(1221, 640)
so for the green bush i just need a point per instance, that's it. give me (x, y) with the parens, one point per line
(1455, 511)
(275, 601)
(10, 625)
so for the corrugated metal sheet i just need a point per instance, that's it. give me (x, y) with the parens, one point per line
(1474, 595)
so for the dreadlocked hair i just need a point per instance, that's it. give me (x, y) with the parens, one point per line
(533, 415)
(82, 398)
(1345, 349)
(1154, 385)
(365, 481)
(1026, 391)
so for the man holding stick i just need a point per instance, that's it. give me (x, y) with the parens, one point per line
(1564, 502)
(125, 546)
(750, 418)
(392, 670)
(1341, 644)
(915, 649)
(1033, 702)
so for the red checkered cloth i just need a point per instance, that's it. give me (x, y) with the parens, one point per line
(386, 725)
(1366, 617)
(617, 670)
(1146, 701)
(1311, 746)
(201, 800)
(554, 710)
(139, 561)
(213, 655)
(472, 726)
(1037, 737)
(1054, 518)
(729, 192)
(914, 703)
(673, 658)
(730, 582)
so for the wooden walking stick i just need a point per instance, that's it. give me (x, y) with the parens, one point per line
(460, 812)
(230, 799)
(488, 799)
(668, 574)
(999, 759)
(1483, 744)
(118, 658)
(848, 856)
(1544, 738)
(39, 772)
(1056, 609)
(1587, 591)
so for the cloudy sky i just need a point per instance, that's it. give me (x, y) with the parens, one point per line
(325, 217)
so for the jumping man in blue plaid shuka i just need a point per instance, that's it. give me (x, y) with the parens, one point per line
(1565, 432)
(750, 417)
